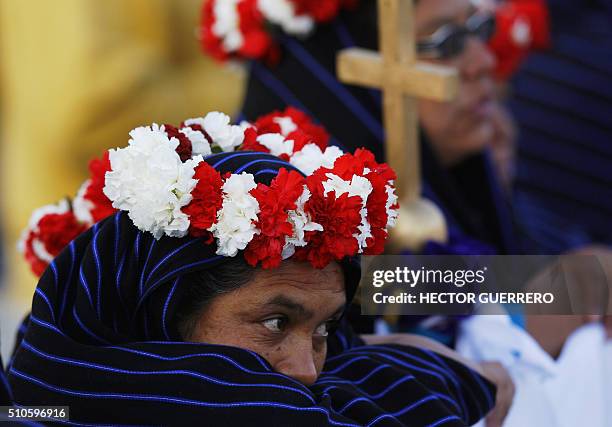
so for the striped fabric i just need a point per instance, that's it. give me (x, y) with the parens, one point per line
(562, 101)
(101, 340)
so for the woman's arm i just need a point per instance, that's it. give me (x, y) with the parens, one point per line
(423, 342)
(492, 371)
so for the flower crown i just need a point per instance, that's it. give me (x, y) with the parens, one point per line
(522, 26)
(243, 28)
(343, 207)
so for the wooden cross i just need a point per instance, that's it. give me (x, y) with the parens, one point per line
(402, 80)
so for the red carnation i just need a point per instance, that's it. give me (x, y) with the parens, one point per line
(206, 202)
(377, 214)
(198, 128)
(368, 160)
(304, 122)
(349, 4)
(274, 203)
(339, 216)
(55, 231)
(320, 10)
(102, 206)
(376, 243)
(257, 43)
(511, 52)
(306, 131)
(379, 175)
(37, 265)
(300, 139)
(250, 141)
(323, 10)
(346, 166)
(210, 42)
(377, 201)
(354, 164)
(184, 148)
(266, 123)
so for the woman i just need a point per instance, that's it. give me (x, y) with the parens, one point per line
(457, 174)
(215, 311)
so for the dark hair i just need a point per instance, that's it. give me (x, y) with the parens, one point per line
(204, 285)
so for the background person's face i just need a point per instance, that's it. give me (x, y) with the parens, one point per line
(464, 126)
(282, 314)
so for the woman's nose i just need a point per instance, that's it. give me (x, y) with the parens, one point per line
(477, 60)
(299, 365)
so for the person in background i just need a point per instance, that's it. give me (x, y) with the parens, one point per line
(456, 136)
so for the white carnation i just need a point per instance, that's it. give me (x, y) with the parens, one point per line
(286, 124)
(357, 186)
(301, 223)
(199, 144)
(276, 143)
(227, 24)
(195, 121)
(310, 158)
(81, 206)
(521, 32)
(149, 181)
(217, 126)
(235, 226)
(59, 208)
(37, 246)
(391, 200)
(40, 250)
(300, 25)
(244, 125)
(282, 13)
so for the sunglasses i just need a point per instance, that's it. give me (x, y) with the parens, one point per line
(450, 40)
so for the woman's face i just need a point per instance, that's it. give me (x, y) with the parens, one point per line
(282, 314)
(465, 125)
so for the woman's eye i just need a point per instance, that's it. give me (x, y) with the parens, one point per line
(274, 325)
